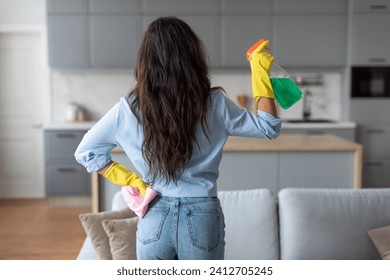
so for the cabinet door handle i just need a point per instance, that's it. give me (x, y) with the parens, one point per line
(374, 163)
(66, 169)
(378, 7)
(66, 135)
(377, 60)
(375, 130)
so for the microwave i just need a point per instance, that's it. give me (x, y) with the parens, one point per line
(370, 82)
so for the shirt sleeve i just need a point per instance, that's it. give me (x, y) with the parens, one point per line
(242, 122)
(94, 149)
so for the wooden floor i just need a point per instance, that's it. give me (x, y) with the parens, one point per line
(31, 230)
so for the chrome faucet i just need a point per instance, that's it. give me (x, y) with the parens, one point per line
(307, 100)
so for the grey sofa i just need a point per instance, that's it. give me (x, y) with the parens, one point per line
(296, 224)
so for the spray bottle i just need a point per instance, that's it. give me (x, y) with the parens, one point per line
(287, 93)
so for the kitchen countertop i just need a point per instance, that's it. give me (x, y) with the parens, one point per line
(285, 125)
(292, 143)
(288, 143)
(68, 125)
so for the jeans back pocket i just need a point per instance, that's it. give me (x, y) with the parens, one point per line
(204, 228)
(150, 226)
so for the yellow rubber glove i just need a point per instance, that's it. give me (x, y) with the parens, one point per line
(261, 63)
(120, 175)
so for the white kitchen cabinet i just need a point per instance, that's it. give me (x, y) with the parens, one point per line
(309, 40)
(371, 40)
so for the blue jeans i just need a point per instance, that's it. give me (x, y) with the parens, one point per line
(190, 228)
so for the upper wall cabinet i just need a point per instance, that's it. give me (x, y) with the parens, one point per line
(303, 33)
(376, 6)
(235, 42)
(201, 15)
(119, 7)
(94, 33)
(68, 6)
(310, 32)
(245, 7)
(114, 41)
(174, 7)
(307, 7)
(310, 40)
(114, 33)
(368, 31)
(68, 43)
(371, 40)
(242, 23)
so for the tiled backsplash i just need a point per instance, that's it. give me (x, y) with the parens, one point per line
(98, 90)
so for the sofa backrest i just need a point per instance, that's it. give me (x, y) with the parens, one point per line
(331, 223)
(118, 202)
(251, 223)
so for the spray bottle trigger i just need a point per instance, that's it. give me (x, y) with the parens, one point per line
(254, 47)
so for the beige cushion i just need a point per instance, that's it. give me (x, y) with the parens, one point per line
(381, 239)
(92, 223)
(122, 237)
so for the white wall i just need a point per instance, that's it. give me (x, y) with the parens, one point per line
(23, 11)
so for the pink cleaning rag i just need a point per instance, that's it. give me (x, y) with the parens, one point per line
(135, 201)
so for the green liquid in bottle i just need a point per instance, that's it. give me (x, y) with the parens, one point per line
(287, 93)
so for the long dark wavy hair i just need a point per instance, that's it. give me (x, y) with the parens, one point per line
(171, 96)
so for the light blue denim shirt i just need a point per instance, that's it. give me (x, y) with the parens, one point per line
(119, 127)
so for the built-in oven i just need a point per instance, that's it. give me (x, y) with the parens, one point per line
(370, 82)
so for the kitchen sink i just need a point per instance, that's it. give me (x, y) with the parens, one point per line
(310, 121)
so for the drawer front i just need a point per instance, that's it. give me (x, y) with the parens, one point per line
(372, 6)
(67, 180)
(61, 145)
(376, 173)
(375, 140)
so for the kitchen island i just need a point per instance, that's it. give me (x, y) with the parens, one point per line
(290, 161)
